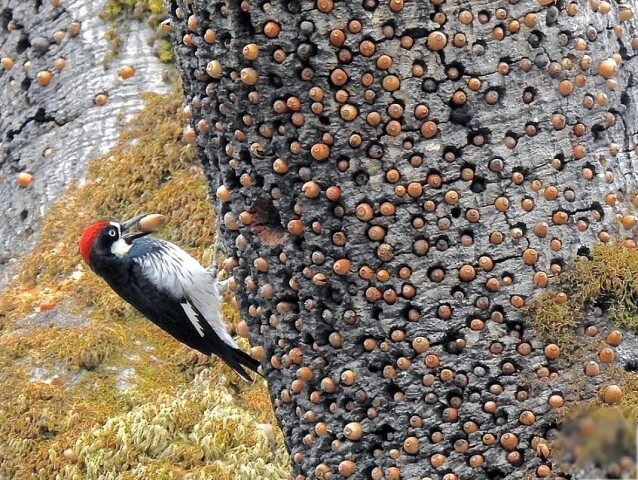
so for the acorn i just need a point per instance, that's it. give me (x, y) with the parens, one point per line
(126, 72)
(44, 78)
(7, 63)
(353, 431)
(214, 69)
(151, 222)
(24, 179)
(612, 395)
(608, 68)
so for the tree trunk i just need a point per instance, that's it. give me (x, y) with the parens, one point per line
(396, 180)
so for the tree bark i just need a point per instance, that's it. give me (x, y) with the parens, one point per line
(52, 119)
(395, 181)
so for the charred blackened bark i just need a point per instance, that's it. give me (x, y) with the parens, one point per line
(396, 179)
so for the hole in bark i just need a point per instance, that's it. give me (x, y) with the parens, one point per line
(442, 243)
(535, 38)
(40, 115)
(516, 326)
(275, 80)
(266, 222)
(370, 5)
(22, 44)
(631, 365)
(24, 214)
(7, 16)
(26, 83)
(584, 252)
(244, 20)
(478, 185)
(360, 178)
(452, 340)
(596, 207)
(456, 212)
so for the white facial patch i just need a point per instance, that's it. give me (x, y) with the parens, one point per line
(192, 316)
(120, 247)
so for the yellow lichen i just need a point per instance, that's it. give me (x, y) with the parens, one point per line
(91, 389)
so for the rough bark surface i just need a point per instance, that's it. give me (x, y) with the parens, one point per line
(392, 206)
(52, 131)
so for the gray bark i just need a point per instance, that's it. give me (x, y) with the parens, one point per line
(306, 315)
(53, 132)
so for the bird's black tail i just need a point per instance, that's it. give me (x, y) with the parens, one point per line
(238, 359)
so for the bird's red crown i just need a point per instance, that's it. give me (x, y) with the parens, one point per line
(89, 235)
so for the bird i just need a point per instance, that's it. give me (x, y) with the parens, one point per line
(166, 285)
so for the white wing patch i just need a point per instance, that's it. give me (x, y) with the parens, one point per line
(192, 316)
(177, 273)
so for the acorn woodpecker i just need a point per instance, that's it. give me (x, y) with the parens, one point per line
(166, 285)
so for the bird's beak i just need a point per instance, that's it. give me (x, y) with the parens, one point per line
(129, 237)
(132, 221)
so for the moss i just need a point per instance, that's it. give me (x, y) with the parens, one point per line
(555, 322)
(130, 402)
(608, 279)
(165, 51)
(152, 10)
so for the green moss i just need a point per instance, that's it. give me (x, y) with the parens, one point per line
(152, 10)
(555, 322)
(130, 402)
(165, 51)
(609, 280)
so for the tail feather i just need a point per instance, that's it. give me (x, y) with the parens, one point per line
(238, 359)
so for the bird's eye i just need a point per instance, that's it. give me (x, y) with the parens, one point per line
(112, 232)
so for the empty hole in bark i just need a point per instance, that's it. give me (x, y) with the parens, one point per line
(456, 212)
(245, 23)
(7, 16)
(478, 185)
(631, 365)
(24, 214)
(494, 473)
(275, 80)
(484, 16)
(22, 44)
(293, 6)
(584, 252)
(40, 115)
(360, 178)
(38, 4)
(266, 222)
(324, 120)
(26, 83)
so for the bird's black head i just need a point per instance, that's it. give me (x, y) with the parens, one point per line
(106, 238)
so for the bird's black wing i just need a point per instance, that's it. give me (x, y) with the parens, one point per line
(175, 313)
